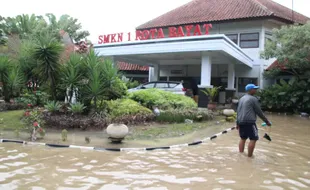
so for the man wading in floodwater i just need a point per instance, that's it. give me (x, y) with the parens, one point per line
(248, 108)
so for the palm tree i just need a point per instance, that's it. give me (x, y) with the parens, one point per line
(72, 74)
(104, 81)
(26, 25)
(115, 87)
(68, 24)
(46, 53)
(94, 89)
(15, 81)
(23, 25)
(5, 65)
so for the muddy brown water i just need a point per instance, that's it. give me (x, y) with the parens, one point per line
(283, 163)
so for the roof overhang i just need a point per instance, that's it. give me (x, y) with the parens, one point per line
(209, 43)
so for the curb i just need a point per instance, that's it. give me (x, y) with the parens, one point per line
(119, 149)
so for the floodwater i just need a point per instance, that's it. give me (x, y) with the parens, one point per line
(283, 163)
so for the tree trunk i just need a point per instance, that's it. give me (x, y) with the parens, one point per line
(95, 102)
(53, 88)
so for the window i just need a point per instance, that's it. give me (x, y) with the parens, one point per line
(176, 72)
(172, 84)
(233, 37)
(148, 85)
(242, 82)
(250, 40)
(161, 85)
(163, 78)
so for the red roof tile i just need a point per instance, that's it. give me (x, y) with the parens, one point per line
(276, 64)
(199, 11)
(131, 67)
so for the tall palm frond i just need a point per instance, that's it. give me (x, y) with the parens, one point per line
(72, 74)
(5, 65)
(46, 53)
(15, 81)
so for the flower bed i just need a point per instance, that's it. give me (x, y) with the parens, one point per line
(67, 121)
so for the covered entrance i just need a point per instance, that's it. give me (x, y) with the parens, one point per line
(202, 57)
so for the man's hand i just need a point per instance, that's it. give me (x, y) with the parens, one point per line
(268, 123)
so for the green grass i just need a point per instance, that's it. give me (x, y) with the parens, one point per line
(10, 120)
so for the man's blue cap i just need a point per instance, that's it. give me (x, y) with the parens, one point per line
(250, 87)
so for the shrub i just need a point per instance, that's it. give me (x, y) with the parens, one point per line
(11, 106)
(53, 106)
(132, 84)
(77, 108)
(292, 96)
(180, 115)
(163, 99)
(128, 112)
(125, 107)
(34, 122)
(26, 99)
(15, 106)
(31, 116)
(37, 99)
(42, 98)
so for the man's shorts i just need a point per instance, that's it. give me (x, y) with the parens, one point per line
(248, 131)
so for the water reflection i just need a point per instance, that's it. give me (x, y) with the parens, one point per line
(282, 164)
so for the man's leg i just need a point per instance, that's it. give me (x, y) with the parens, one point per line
(251, 148)
(243, 137)
(253, 138)
(241, 145)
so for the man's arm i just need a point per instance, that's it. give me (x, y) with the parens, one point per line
(259, 111)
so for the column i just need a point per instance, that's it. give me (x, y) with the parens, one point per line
(262, 61)
(230, 90)
(112, 58)
(231, 77)
(205, 79)
(205, 70)
(154, 73)
(151, 73)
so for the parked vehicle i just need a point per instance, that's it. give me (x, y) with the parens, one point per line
(171, 86)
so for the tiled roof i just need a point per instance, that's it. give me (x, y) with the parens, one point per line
(199, 11)
(131, 67)
(276, 64)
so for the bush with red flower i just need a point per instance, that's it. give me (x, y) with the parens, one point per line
(33, 119)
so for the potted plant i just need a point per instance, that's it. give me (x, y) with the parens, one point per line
(212, 94)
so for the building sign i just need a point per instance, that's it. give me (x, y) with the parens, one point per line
(180, 31)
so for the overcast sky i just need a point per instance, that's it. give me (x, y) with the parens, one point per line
(110, 16)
